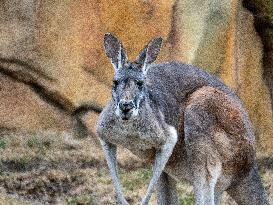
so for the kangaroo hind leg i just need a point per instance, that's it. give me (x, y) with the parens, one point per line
(166, 190)
(249, 190)
(206, 169)
(204, 159)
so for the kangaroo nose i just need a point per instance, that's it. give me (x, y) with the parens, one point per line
(126, 106)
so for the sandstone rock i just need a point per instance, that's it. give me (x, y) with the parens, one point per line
(221, 38)
(54, 70)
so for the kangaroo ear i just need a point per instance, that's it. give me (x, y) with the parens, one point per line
(114, 50)
(149, 53)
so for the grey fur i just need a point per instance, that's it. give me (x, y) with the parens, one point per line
(188, 123)
(166, 190)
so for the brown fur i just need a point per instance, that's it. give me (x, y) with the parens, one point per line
(234, 147)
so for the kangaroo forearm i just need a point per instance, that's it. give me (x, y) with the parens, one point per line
(110, 155)
(162, 157)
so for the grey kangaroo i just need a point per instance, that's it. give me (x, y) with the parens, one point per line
(186, 122)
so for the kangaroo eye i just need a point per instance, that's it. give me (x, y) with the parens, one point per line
(139, 83)
(115, 82)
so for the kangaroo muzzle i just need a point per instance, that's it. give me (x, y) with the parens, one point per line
(126, 106)
(126, 109)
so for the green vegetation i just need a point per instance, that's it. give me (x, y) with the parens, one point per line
(104, 177)
(3, 144)
(136, 179)
(186, 199)
(80, 200)
(40, 144)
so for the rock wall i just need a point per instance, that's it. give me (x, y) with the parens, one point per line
(55, 75)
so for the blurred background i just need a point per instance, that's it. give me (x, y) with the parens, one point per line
(55, 79)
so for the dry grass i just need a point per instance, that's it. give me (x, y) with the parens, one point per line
(45, 169)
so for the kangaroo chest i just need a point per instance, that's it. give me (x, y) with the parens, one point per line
(135, 135)
(142, 137)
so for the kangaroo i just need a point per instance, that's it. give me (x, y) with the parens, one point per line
(186, 122)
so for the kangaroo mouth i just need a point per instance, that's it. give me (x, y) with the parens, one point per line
(125, 118)
(126, 115)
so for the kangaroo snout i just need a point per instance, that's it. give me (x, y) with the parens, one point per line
(126, 109)
(126, 106)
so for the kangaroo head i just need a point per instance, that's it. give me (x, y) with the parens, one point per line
(129, 90)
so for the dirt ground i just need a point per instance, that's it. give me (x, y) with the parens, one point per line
(45, 169)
